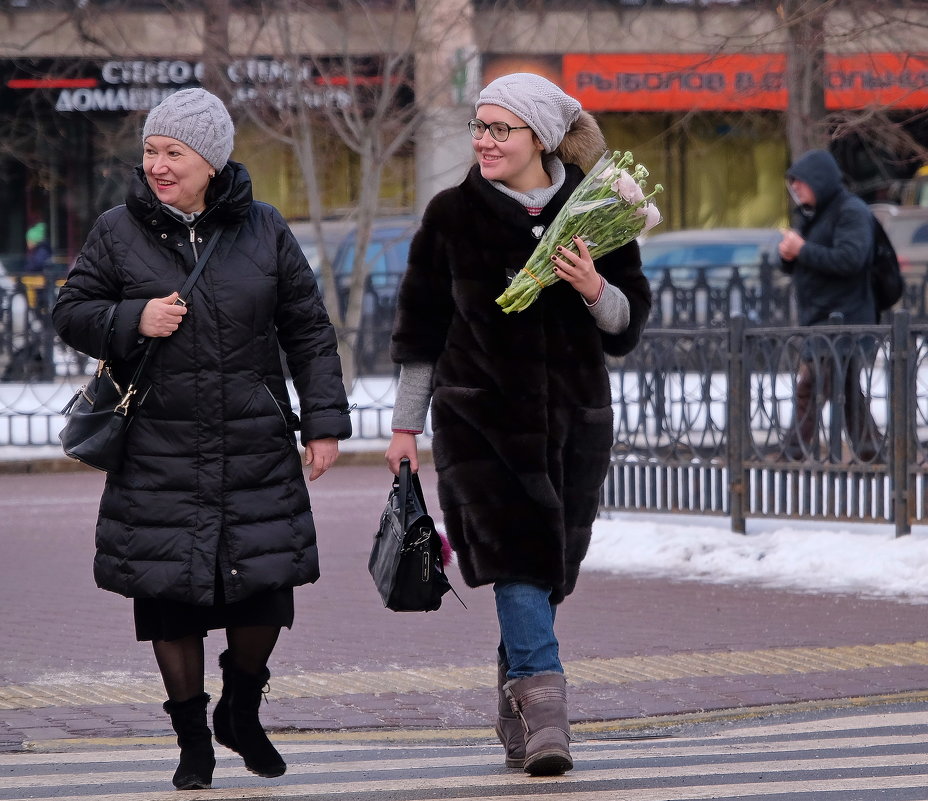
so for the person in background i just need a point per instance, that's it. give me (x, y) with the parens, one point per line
(828, 252)
(208, 523)
(38, 251)
(521, 403)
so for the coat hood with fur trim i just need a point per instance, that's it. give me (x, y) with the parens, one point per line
(583, 144)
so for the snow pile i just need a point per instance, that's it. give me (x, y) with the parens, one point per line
(865, 560)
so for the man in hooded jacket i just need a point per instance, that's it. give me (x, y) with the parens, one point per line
(828, 252)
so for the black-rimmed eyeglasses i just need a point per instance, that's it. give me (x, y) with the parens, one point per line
(498, 130)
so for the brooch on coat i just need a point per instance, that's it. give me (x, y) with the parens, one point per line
(537, 231)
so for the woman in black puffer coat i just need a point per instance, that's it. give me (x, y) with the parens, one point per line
(208, 524)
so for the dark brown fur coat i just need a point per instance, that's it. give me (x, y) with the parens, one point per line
(521, 404)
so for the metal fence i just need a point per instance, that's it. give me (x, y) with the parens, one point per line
(705, 423)
(716, 295)
(703, 408)
(38, 374)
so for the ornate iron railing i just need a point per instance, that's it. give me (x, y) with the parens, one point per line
(703, 411)
(706, 422)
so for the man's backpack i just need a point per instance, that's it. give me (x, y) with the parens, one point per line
(885, 275)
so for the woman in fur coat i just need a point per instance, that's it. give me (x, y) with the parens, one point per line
(521, 403)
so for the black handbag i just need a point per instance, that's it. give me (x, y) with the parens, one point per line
(406, 562)
(98, 417)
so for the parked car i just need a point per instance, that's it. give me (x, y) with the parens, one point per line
(386, 254)
(907, 229)
(716, 253)
(333, 232)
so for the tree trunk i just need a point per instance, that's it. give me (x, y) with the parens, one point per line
(215, 45)
(805, 75)
(351, 335)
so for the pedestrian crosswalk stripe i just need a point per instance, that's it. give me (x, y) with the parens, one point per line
(629, 772)
(440, 788)
(87, 691)
(866, 753)
(869, 726)
(865, 723)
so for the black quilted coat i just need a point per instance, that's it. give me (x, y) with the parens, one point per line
(521, 403)
(212, 478)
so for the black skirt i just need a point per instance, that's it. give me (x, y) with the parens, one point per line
(158, 619)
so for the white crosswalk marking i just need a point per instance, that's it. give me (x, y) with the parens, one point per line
(857, 756)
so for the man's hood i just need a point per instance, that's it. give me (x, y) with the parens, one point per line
(820, 171)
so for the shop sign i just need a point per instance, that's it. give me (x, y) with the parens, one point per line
(738, 82)
(139, 85)
(118, 85)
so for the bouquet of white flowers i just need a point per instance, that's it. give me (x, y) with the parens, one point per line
(607, 210)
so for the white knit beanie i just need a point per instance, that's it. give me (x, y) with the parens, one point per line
(196, 118)
(544, 106)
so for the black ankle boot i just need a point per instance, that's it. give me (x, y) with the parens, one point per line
(195, 771)
(236, 723)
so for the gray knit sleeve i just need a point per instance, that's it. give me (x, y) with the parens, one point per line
(413, 394)
(611, 311)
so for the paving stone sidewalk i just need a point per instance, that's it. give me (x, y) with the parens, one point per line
(633, 647)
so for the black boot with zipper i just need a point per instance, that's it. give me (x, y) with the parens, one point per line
(235, 719)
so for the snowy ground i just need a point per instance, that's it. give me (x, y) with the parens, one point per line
(866, 560)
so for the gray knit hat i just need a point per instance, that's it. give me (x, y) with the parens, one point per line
(196, 118)
(546, 109)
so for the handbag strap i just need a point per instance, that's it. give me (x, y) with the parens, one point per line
(405, 480)
(198, 268)
(181, 301)
(107, 333)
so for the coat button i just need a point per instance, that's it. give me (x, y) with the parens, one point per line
(234, 572)
(164, 236)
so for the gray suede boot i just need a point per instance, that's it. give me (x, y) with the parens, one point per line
(508, 726)
(541, 703)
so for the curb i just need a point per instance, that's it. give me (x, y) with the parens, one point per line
(63, 464)
(656, 727)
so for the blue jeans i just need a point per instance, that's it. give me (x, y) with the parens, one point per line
(526, 627)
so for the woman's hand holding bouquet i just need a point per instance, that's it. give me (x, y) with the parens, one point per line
(607, 210)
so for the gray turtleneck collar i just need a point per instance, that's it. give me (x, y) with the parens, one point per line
(538, 198)
(183, 216)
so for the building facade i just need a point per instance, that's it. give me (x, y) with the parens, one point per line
(696, 90)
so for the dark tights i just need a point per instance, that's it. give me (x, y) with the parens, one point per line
(181, 661)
